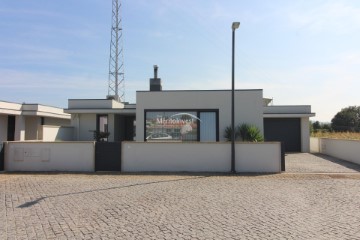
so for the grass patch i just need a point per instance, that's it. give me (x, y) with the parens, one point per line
(337, 135)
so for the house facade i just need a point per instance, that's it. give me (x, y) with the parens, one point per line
(208, 111)
(189, 115)
(19, 122)
(212, 111)
(101, 115)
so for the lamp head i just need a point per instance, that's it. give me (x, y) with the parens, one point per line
(235, 25)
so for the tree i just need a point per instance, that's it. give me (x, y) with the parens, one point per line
(326, 127)
(315, 126)
(348, 119)
(320, 127)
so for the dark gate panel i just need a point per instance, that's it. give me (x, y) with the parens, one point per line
(287, 130)
(108, 156)
(11, 128)
(2, 156)
(282, 156)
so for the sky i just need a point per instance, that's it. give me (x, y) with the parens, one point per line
(299, 52)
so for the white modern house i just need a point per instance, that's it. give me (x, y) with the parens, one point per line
(189, 115)
(24, 121)
(181, 130)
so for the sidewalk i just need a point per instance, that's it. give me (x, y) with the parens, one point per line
(317, 163)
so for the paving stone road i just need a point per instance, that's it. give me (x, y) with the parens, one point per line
(318, 163)
(119, 206)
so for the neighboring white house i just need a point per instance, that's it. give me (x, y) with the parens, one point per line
(19, 122)
(105, 115)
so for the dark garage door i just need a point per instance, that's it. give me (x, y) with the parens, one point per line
(287, 130)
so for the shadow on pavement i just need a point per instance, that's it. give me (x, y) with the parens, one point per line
(31, 203)
(343, 163)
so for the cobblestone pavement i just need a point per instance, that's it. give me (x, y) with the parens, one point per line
(118, 206)
(318, 163)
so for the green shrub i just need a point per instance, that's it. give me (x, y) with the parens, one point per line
(228, 133)
(250, 133)
(244, 132)
(255, 135)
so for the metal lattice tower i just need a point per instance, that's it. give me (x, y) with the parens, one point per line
(116, 88)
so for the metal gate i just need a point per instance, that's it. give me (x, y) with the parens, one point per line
(108, 156)
(282, 156)
(2, 156)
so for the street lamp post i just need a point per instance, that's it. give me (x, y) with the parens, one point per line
(235, 25)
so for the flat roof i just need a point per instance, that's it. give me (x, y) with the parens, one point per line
(215, 90)
(32, 109)
(287, 115)
(125, 111)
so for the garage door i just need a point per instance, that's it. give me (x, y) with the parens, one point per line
(287, 130)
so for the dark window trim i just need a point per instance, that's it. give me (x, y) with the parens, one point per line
(198, 111)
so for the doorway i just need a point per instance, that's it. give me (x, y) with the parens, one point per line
(11, 128)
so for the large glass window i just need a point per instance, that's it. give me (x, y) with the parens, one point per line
(181, 125)
(168, 125)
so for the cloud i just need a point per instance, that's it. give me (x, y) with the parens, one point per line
(30, 12)
(328, 87)
(336, 17)
(31, 53)
(12, 79)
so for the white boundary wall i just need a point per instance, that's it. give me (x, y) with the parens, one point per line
(258, 157)
(200, 157)
(55, 133)
(142, 157)
(348, 150)
(314, 145)
(50, 156)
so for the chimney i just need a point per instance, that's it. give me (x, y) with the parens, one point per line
(155, 83)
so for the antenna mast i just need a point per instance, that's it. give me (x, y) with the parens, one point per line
(116, 89)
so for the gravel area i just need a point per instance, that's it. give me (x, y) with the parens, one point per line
(183, 206)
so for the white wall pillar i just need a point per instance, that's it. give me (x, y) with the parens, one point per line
(32, 124)
(75, 122)
(305, 134)
(19, 128)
